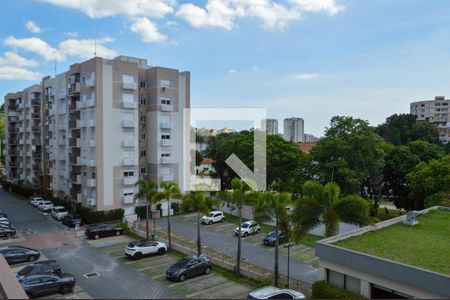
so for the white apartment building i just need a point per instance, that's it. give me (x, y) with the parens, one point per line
(271, 126)
(294, 130)
(311, 139)
(435, 112)
(107, 123)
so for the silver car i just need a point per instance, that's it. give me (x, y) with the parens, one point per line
(271, 292)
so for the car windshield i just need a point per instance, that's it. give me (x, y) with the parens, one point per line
(183, 262)
(25, 271)
(60, 209)
(245, 225)
(273, 234)
(210, 215)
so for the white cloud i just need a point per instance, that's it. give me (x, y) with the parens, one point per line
(147, 30)
(72, 34)
(306, 76)
(32, 27)
(232, 71)
(108, 8)
(13, 59)
(37, 46)
(17, 73)
(272, 14)
(85, 48)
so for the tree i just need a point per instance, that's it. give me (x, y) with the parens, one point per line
(402, 129)
(425, 151)
(427, 180)
(323, 204)
(148, 191)
(237, 198)
(271, 206)
(201, 204)
(350, 154)
(169, 191)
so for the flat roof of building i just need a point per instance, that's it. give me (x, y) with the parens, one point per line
(425, 245)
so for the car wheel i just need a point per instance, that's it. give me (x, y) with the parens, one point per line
(8, 235)
(208, 270)
(245, 234)
(161, 251)
(31, 258)
(96, 237)
(182, 278)
(210, 223)
(258, 230)
(65, 289)
(222, 220)
(137, 255)
(117, 233)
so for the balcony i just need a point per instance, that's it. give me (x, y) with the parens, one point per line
(35, 101)
(61, 142)
(52, 111)
(62, 157)
(79, 143)
(21, 118)
(12, 113)
(52, 156)
(91, 201)
(129, 162)
(165, 125)
(166, 160)
(91, 143)
(78, 179)
(128, 124)
(130, 180)
(91, 182)
(89, 162)
(129, 104)
(166, 177)
(166, 107)
(62, 126)
(90, 102)
(166, 142)
(90, 123)
(62, 110)
(128, 143)
(21, 105)
(74, 88)
(128, 199)
(62, 94)
(90, 82)
(129, 85)
(80, 123)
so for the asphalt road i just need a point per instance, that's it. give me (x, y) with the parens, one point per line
(261, 256)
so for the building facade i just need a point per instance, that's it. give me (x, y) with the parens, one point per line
(435, 112)
(271, 126)
(294, 130)
(90, 133)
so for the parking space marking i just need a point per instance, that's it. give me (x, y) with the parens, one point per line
(213, 288)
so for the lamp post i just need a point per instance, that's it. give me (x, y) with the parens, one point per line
(288, 246)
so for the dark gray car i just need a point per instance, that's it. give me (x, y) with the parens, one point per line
(18, 254)
(49, 267)
(189, 266)
(40, 285)
(7, 232)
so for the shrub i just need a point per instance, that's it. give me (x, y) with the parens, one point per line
(324, 290)
(89, 216)
(140, 211)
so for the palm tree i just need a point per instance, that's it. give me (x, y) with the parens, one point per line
(323, 204)
(169, 191)
(271, 206)
(201, 204)
(238, 197)
(148, 191)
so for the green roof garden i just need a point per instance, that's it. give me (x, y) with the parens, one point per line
(425, 245)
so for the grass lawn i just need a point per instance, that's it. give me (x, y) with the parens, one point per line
(426, 245)
(308, 239)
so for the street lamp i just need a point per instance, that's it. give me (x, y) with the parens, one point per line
(288, 246)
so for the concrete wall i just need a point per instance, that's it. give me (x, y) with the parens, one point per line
(10, 288)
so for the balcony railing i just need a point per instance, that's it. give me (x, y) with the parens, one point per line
(74, 88)
(91, 182)
(128, 124)
(90, 82)
(128, 199)
(129, 162)
(128, 143)
(166, 160)
(166, 142)
(129, 104)
(165, 125)
(130, 180)
(166, 107)
(166, 177)
(129, 85)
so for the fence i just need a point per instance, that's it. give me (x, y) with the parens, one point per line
(228, 262)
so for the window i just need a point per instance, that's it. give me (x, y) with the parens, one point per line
(127, 78)
(336, 279)
(143, 171)
(142, 136)
(165, 137)
(128, 194)
(142, 118)
(344, 281)
(143, 101)
(165, 154)
(128, 174)
(142, 84)
(165, 101)
(143, 153)
(165, 83)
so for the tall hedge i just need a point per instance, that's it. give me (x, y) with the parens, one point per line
(323, 290)
(89, 216)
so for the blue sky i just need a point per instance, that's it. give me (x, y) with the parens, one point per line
(307, 58)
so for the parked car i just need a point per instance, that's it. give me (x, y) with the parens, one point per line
(5, 221)
(40, 268)
(189, 266)
(213, 217)
(247, 228)
(140, 248)
(7, 232)
(71, 220)
(35, 201)
(45, 205)
(102, 230)
(5, 225)
(270, 238)
(271, 292)
(17, 254)
(41, 285)
(58, 212)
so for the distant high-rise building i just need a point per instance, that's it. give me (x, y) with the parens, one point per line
(271, 126)
(309, 138)
(435, 112)
(294, 130)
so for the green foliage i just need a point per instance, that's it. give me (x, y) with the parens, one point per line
(23, 190)
(90, 217)
(425, 151)
(198, 158)
(140, 211)
(440, 198)
(323, 290)
(352, 209)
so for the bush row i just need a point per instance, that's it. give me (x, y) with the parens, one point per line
(89, 216)
(324, 290)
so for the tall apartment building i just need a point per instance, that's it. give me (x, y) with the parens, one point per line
(294, 130)
(435, 112)
(271, 126)
(105, 124)
(310, 138)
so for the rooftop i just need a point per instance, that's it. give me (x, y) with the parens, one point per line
(425, 245)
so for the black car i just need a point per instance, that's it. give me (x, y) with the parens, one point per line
(270, 238)
(40, 268)
(189, 266)
(7, 232)
(46, 284)
(72, 220)
(102, 230)
(17, 254)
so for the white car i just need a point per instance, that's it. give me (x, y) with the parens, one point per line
(247, 228)
(45, 205)
(35, 201)
(213, 217)
(59, 212)
(5, 222)
(139, 249)
(271, 292)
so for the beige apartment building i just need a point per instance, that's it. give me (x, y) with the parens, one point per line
(103, 124)
(435, 112)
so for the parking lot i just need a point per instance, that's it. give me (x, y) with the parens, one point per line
(212, 286)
